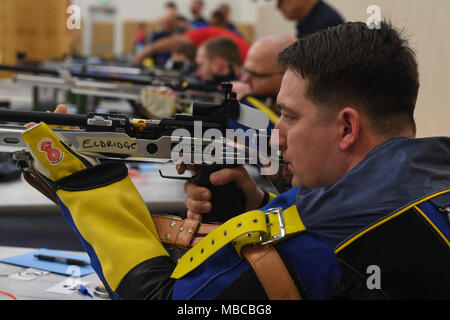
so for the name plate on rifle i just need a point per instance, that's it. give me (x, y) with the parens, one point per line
(107, 145)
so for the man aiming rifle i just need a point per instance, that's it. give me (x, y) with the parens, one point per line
(365, 192)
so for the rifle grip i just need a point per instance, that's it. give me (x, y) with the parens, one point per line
(227, 201)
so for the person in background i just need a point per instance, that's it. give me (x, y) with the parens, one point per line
(168, 23)
(259, 86)
(197, 14)
(182, 24)
(171, 5)
(261, 74)
(218, 20)
(139, 38)
(195, 37)
(183, 59)
(218, 60)
(311, 15)
(225, 9)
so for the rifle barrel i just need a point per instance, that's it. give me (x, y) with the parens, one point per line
(63, 119)
(51, 72)
(171, 81)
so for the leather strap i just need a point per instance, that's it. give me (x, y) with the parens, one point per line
(35, 180)
(186, 233)
(271, 272)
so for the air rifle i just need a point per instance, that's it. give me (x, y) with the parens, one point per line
(181, 138)
(177, 83)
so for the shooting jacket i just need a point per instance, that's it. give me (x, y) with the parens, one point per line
(380, 232)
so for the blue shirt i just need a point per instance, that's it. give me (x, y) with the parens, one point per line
(321, 17)
(160, 59)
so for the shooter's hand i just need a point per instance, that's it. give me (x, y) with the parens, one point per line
(198, 198)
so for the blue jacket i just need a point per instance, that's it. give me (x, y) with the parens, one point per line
(393, 176)
(386, 214)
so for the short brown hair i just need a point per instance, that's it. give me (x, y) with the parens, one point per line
(188, 50)
(224, 48)
(373, 69)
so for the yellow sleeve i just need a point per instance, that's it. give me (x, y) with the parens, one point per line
(111, 219)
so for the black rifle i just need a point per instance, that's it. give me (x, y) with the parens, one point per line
(114, 136)
(177, 83)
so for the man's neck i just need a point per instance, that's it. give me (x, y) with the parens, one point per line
(371, 142)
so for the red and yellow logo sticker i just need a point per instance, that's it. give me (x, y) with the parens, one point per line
(54, 155)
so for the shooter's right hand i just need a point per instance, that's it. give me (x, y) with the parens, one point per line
(198, 198)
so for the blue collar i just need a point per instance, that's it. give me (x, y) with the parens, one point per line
(399, 172)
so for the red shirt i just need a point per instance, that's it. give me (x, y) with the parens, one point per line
(200, 35)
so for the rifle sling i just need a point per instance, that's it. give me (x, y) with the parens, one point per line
(186, 233)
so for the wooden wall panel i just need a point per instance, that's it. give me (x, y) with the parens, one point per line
(130, 28)
(103, 39)
(35, 27)
(247, 30)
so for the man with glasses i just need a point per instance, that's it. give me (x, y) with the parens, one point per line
(261, 75)
(258, 88)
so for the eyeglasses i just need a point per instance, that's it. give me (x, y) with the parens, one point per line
(260, 75)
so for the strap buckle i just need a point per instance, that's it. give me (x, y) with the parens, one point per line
(446, 210)
(282, 234)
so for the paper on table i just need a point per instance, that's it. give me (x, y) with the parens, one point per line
(67, 286)
(29, 260)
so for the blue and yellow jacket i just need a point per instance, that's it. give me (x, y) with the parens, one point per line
(387, 212)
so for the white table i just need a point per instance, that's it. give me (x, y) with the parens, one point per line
(35, 289)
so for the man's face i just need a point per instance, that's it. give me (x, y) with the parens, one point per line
(308, 136)
(208, 67)
(261, 72)
(205, 70)
(196, 7)
(168, 20)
